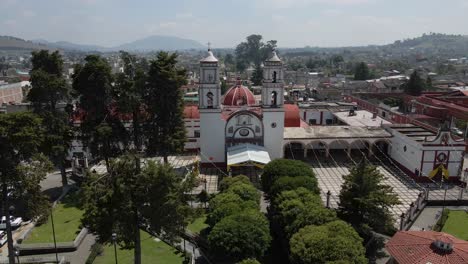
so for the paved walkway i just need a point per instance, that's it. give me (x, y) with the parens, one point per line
(330, 178)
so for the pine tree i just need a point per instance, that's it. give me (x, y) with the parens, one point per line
(101, 128)
(165, 128)
(362, 72)
(415, 85)
(257, 76)
(48, 89)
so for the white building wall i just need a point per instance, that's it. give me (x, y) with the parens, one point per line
(411, 158)
(273, 136)
(212, 140)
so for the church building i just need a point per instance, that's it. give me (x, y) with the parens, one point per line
(234, 128)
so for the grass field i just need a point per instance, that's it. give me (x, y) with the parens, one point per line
(198, 224)
(152, 251)
(67, 217)
(457, 224)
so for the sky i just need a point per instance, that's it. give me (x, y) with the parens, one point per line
(225, 23)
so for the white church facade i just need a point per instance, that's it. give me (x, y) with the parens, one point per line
(237, 119)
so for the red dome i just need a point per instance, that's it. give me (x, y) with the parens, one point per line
(238, 96)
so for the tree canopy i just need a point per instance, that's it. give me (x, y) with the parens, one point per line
(253, 51)
(415, 85)
(334, 241)
(366, 200)
(295, 209)
(287, 168)
(101, 128)
(48, 89)
(362, 72)
(164, 127)
(240, 236)
(123, 200)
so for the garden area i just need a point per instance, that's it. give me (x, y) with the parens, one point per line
(457, 224)
(198, 224)
(152, 251)
(67, 222)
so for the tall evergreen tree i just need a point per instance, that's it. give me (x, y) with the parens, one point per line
(361, 72)
(415, 85)
(164, 128)
(128, 93)
(48, 89)
(257, 75)
(365, 203)
(123, 201)
(102, 131)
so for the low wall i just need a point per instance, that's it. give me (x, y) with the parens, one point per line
(48, 248)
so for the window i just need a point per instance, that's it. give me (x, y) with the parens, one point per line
(197, 133)
(329, 121)
(384, 114)
(312, 121)
(230, 130)
(257, 129)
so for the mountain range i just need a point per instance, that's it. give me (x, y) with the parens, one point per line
(150, 43)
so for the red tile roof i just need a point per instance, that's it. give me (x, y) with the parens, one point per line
(191, 112)
(291, 116)
(416, 247)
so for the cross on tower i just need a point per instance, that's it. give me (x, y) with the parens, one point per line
(209, 46)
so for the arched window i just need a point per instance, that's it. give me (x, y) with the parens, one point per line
(274, 76)
(274, 98)
(209, 97)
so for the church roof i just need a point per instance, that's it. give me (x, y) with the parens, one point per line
(239, 95)
(210, 57)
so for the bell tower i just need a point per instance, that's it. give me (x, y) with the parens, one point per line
(209, 92)
(212, 140)
(273, 90)
(272, 105)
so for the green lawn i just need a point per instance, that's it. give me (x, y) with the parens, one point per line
(152, 251)
(198, 224)
(457, 224)
(67, 218)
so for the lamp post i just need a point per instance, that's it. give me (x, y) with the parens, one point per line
(9, 212)
(445, 195)
(17, 253)
(114, 240)
(53, 234)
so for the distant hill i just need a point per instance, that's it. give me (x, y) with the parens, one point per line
(12, 43)
(151, 43)
(65, 45)
(161, 43)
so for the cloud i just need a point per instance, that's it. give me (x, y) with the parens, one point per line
(281, 4)
(332, 12)
(28, 13)
(184, 15)
(10, 23)
(169, 24)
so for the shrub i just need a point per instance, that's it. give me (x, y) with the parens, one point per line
(284, 167)
(240, 236)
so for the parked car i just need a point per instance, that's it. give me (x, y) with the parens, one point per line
(15, 222)
(457, 131)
